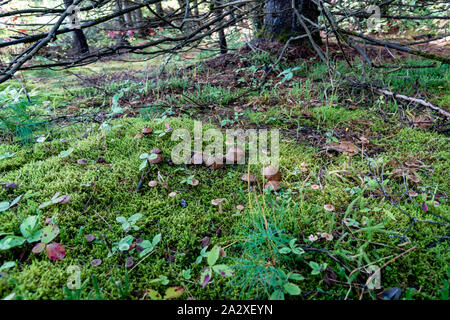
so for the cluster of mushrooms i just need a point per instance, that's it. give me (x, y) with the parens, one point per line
(270, 173)
(234, 155)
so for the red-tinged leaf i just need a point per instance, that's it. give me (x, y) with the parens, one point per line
(424, 207)
(55, 251)
(38, 248)
(205, 276)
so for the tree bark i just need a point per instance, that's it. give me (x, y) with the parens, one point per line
(222, 38)
(282, 21)
(79, 41)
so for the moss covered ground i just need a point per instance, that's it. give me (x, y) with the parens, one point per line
(372, 225)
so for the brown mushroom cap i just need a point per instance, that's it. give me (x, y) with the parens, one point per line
(272, 173)
(153, 183)
(248, 177)
(214, 162)
(274, 184)
(328, 207)
(147, 130)
(240, 207)
(216, 202)
(158, 159)
(195, 182)
(197, 158)
(234, 154)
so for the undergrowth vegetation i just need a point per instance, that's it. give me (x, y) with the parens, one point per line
(345, 225)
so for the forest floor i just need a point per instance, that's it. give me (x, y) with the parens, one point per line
(364, 183)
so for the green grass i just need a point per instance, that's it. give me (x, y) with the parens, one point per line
(103, 191)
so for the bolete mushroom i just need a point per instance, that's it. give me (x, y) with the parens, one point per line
(153, 183)
(234, 155)
(272, 184)
(155, 158)
(147, 130)
(197, 158)
(272, 173)
(173, 194)
(214, 162)
(218, 202)
(248, 177)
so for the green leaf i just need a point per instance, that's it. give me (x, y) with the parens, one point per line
(66, 153)
(277, 295)
(9, 242)
(49, 233)
(296, 276)
(153, 294)
(284, 250)
(143, 156)
(174, 292)
(156, 240)
(145, 252)
(7, 265)
(213, 255)
(28, 225)
(4, 206)
(121, 219)
(223, 270)
(292, 289)
(146, 244)
(143, 165)
(15, 201)
(135, 217)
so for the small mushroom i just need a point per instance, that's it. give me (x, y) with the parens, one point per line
(315, 187)
(155, 159)
(240, 207)
(235, 155)
(197, 158)
(147, 130)
(272, 184)
(218, 202)
(248, 177)
(173, 194)
(194, 182)
(214, 162)
(328, 207)
(82, 161)
(153, 183)
(412, 194)
(272, 173)
(139, 136)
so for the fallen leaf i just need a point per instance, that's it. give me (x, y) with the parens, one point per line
(345, 147)
(55, 251)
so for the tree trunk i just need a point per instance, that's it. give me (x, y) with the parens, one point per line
(159, 9)
(222, 39)
(120, 18)
(80, 44)
(282, 21)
